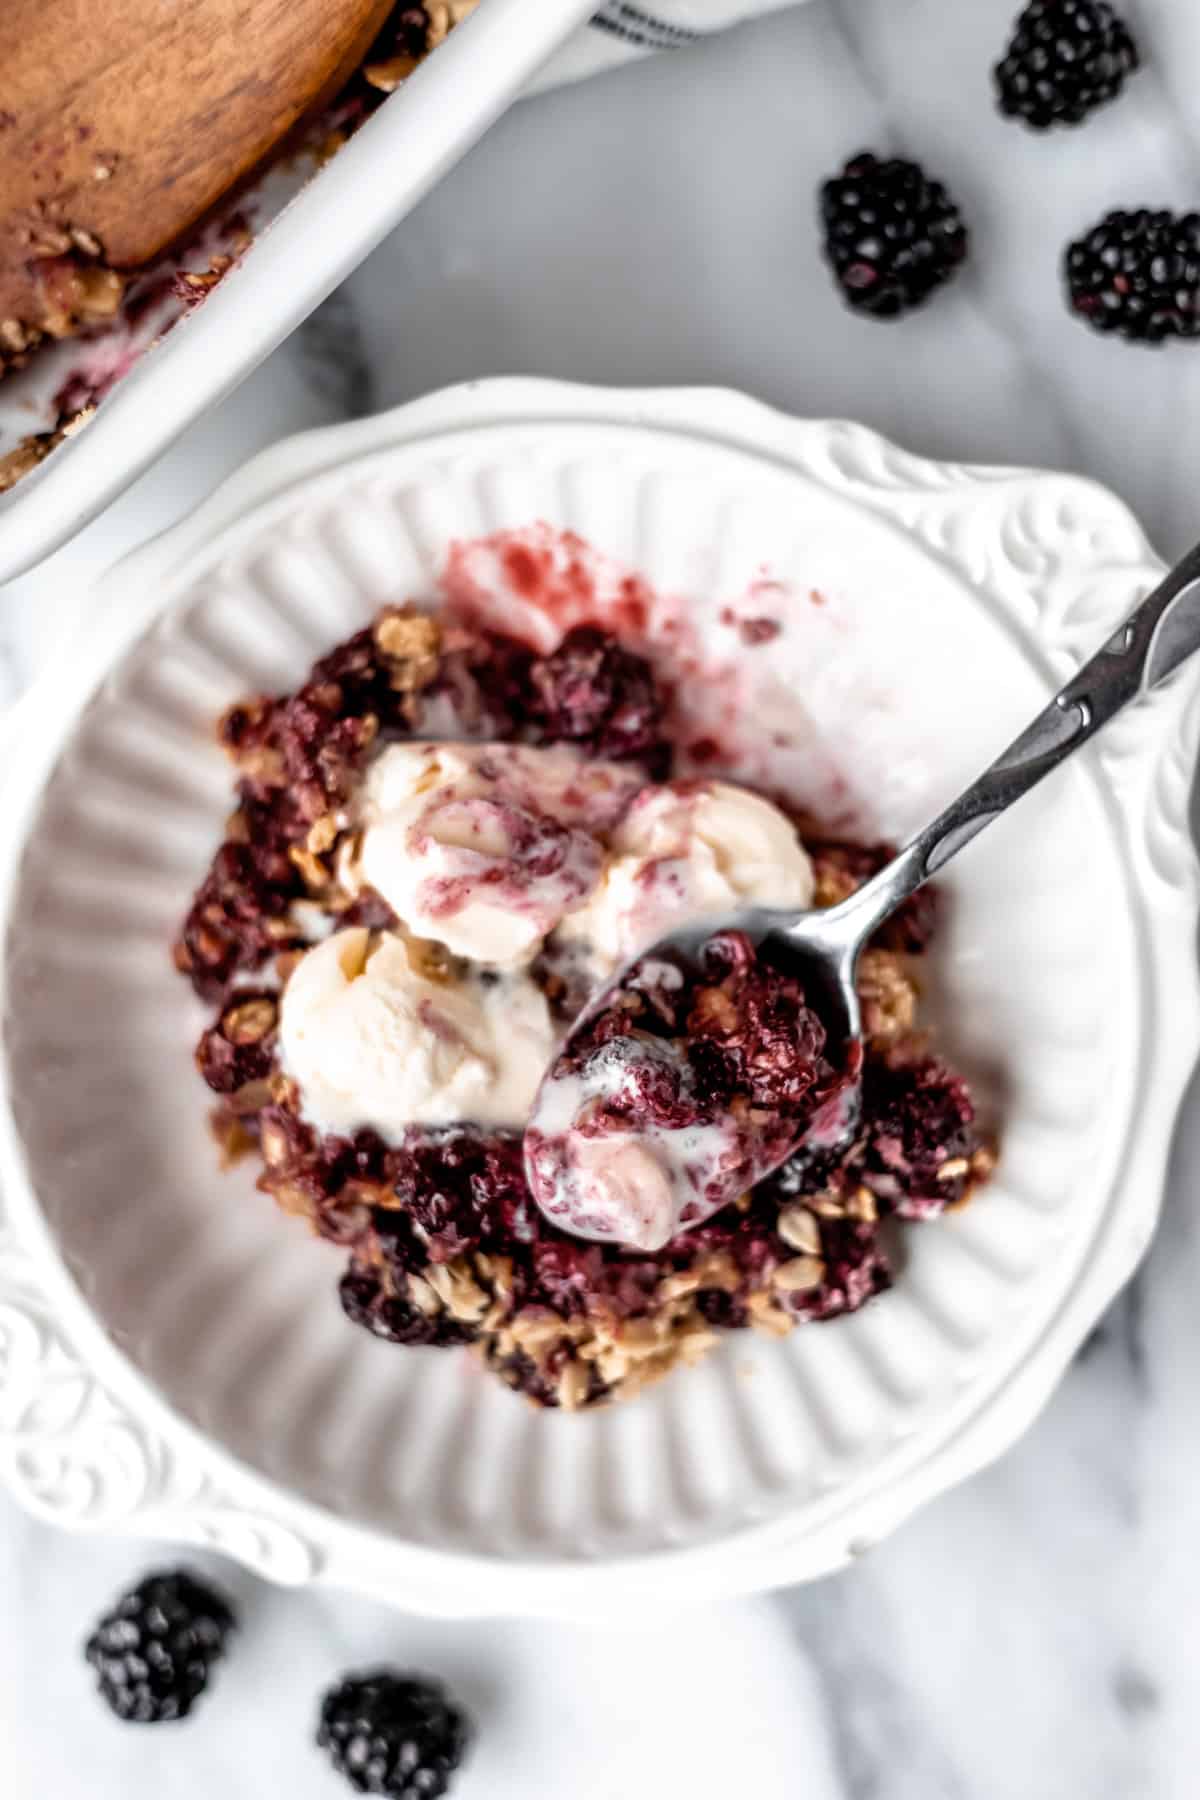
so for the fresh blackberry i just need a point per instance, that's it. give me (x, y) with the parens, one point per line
(392, 1734)
(1138, 274)
(154, 1651)
(1064, 59)
(891, 234)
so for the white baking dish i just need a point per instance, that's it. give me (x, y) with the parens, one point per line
(172, 1357)
(299, 254)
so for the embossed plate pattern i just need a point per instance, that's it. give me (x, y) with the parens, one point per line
(172, 1358)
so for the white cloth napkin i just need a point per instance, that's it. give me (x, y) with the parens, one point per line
(622, 29)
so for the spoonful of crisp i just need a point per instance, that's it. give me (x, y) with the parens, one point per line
(734, 1041)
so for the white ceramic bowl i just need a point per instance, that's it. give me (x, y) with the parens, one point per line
(172, 1357)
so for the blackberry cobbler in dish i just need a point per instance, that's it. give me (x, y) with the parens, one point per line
(443, 842)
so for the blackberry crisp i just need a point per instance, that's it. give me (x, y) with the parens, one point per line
(443, 1242)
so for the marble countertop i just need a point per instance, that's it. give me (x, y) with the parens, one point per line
(1028, 1637)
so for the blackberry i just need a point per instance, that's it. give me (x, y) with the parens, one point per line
(919, 1122)
(807, 1170)
(892, 236)
(366, 1302)
(154, 1651)
(1064, 59)
(721, 1309)
(392, 1734)
(1138, 274)
(594, 693)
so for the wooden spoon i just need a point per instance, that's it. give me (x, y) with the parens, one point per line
(122, 124)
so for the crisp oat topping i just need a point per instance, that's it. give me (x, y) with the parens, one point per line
(388, 75)
(25, 457)
(800, 1275)
(443, 16)
(249, 1022)
(887, 996)
(799, 1230)
(410, 642)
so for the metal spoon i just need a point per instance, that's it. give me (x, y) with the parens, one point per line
(823, 947)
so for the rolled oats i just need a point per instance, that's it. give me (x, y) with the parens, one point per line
(322, 834)
(612, 1364)
(17, 463)
(718, 1270)
(799, 1230)
(887, 996)
(234, 1142)
(769, 1316)
(573, 1386)
(443, 16)
(387, 76)
(292, 1199)
(273, 1143)
(800, 1275)
(249, 1022)
(863, 1206)
(642, 1337)
(535, 1333)
(250, 1098)
(678, 1286)
(98, 293)
(983, 1162)
(713, 1007)
(315, 874)
(467, 1301)
(412, 643)
(423, 1297)
(827, 1205)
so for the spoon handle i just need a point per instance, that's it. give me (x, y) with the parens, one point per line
(1159, 635)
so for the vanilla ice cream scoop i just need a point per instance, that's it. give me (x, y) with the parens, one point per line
(683, 850)
(372, 1042)
(486, 847)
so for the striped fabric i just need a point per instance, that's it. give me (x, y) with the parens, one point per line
(622, 29)
(642, 30)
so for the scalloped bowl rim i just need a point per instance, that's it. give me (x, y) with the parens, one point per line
(757, 1555)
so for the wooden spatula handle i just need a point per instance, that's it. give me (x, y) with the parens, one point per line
(127, 121)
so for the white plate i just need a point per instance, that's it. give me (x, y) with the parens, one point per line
(172, 1357)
